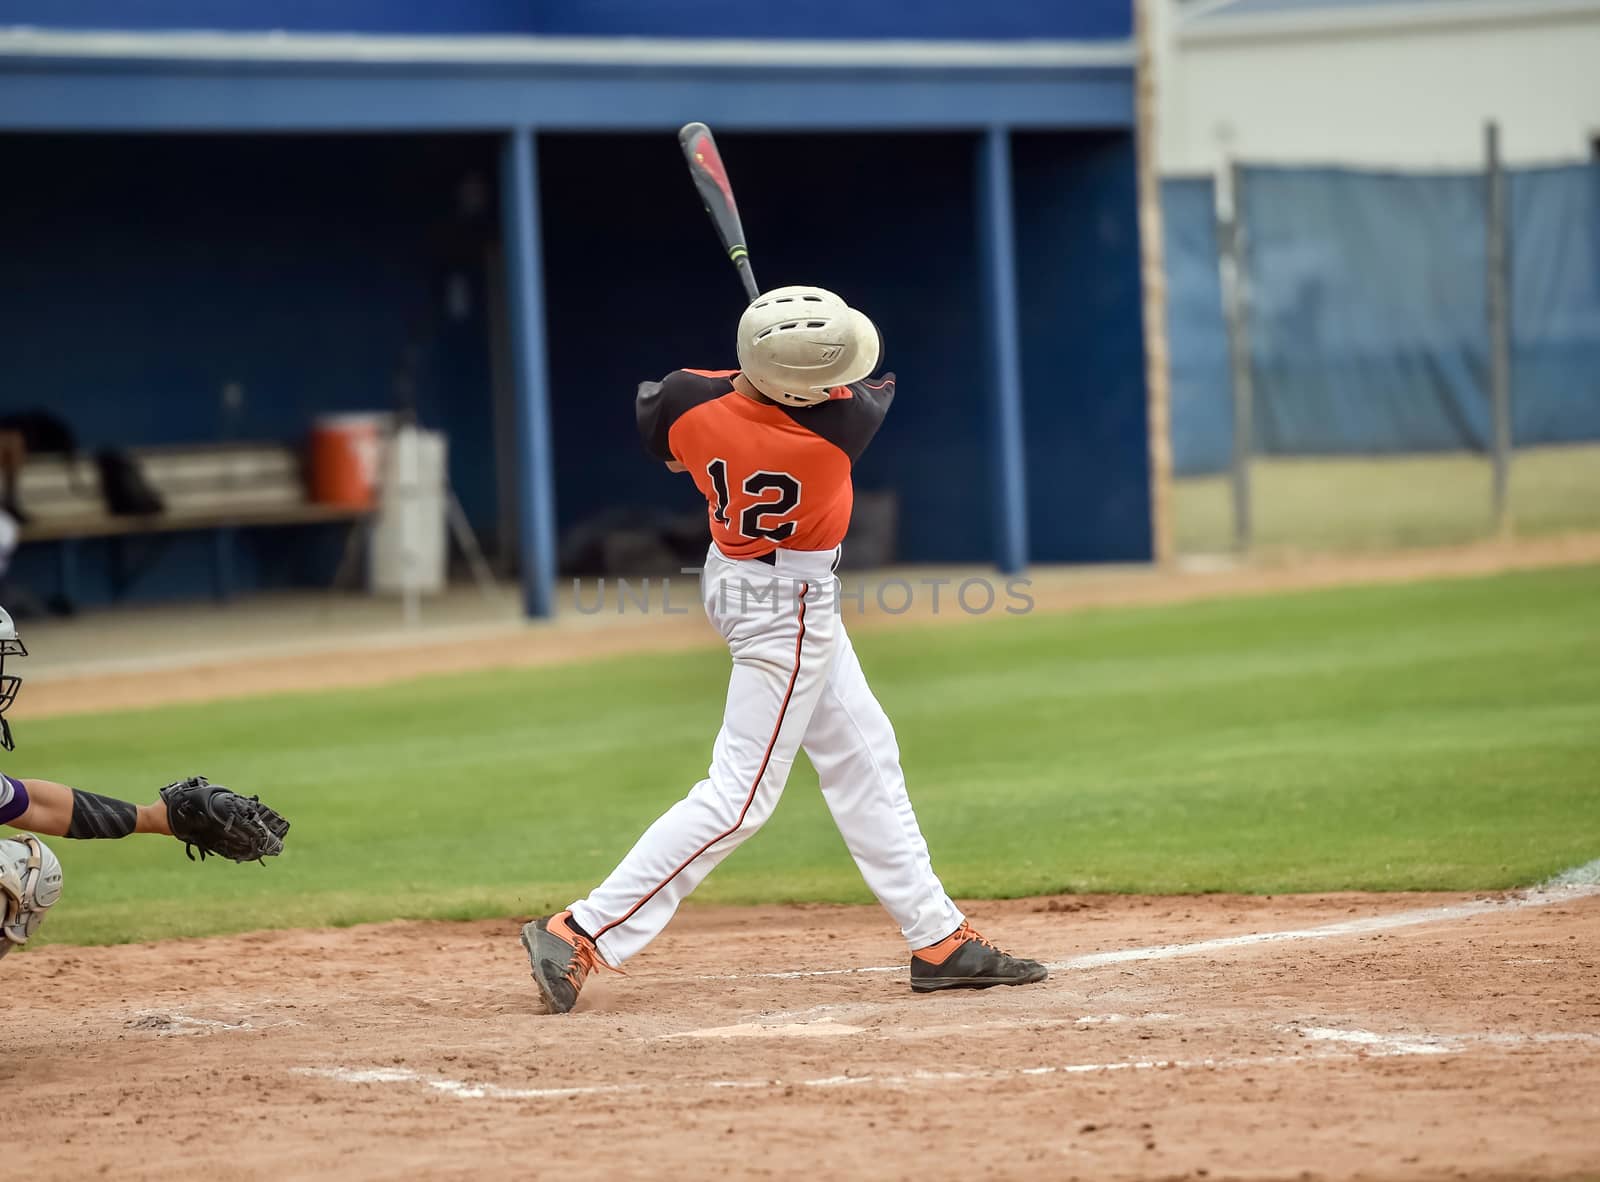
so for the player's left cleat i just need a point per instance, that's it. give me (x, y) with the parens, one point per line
(562, 960)
(965, 960)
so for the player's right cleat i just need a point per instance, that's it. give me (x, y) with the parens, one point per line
(965, 960)
(562, 960)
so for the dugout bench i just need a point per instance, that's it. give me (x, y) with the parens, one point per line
(215, 488)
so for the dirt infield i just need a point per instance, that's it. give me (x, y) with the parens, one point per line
(1412, 1037)
(1396, 1037)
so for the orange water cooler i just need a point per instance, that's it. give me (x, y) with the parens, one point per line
(345, 453)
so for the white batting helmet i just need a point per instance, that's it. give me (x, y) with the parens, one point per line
(30, 884)
(797, 343)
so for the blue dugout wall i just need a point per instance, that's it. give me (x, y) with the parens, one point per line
(295, 230)
(148, 272)
(1082, 347)
(145, 273)
(896, 235)
(659, 296)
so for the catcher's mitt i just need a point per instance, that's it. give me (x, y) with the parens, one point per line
(214, 820)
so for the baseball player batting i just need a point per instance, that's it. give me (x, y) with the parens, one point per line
(204, 816)
(771, 446)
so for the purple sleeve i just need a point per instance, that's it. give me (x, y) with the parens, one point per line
(13, 799)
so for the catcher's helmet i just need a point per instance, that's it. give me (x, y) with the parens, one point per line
(797, 343)
(30, 884)
(10, 646)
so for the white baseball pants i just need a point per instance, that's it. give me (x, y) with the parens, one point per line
(796, 683)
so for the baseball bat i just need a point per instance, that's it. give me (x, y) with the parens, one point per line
(711, 178)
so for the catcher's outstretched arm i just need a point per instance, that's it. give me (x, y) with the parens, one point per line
(57, 810)
(206, 817)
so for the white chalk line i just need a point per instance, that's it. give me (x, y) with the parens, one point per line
(1440, 1044)
(1586, 875)
(819, 1029)
(1366, 1044)
(830, 1025)
(1561, 891)
(457, 1088)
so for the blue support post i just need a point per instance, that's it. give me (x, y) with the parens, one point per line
(998, 264)
(222, 563)
(535, 481)
(67, 570)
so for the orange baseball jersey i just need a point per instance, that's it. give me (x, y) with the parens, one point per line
(773, 476)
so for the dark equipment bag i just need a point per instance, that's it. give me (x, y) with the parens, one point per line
(123, 485)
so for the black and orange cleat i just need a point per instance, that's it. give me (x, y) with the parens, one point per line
(965, 960)
(562, 960)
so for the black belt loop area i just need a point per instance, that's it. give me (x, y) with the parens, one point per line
(771, 557)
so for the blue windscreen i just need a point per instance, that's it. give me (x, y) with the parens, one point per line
(1368, 313)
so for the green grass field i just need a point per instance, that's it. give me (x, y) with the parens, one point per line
(1436, 735)
(1378, 503)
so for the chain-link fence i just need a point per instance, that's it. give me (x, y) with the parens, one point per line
(1336, 381)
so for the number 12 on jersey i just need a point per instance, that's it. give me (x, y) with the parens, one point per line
(757, 484)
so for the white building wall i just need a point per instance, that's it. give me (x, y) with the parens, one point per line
(1400, 86)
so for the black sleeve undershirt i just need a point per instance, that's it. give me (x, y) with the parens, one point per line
(849, 423)
(658, 405)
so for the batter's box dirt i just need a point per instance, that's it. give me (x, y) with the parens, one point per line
(1405, 1037)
